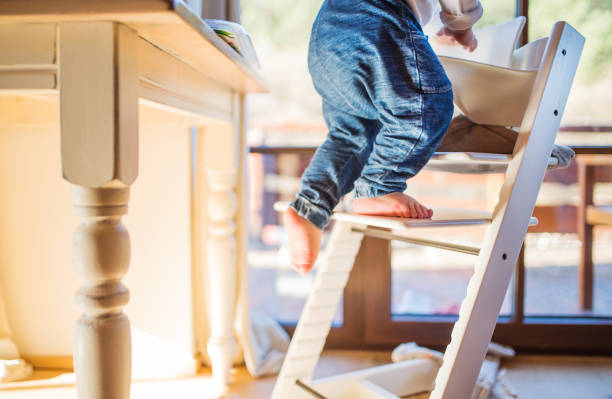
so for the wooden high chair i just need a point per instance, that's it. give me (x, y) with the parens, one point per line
(495, 85)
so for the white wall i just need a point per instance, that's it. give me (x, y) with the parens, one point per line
(36, 225)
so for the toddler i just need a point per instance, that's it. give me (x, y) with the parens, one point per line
(387, 103)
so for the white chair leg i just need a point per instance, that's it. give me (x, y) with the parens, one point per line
(221, 260)
(316, 319)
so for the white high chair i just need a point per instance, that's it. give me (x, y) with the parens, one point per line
(496, 85)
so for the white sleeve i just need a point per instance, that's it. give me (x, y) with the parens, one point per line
(460, 14)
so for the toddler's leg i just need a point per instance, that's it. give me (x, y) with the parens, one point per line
(399, 152)
(414, 101)
(391, 104)
(330, 175)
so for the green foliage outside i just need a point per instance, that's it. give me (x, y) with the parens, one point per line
(592, 18)
(496, 12)
(281, 29)
(286, 23)
(280, 23)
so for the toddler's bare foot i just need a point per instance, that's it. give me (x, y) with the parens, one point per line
(304, 241)
(393, 204)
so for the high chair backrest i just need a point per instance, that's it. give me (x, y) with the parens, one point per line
(496, 44)
(529, 56)
(492, 85)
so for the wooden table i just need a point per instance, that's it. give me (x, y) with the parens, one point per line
(99, 59)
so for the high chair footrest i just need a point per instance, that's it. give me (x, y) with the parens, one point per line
(442, 216)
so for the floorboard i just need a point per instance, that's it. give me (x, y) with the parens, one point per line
(532, 377)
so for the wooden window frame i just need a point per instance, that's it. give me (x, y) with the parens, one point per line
(368, 322)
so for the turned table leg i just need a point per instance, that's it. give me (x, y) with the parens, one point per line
(101, 256)
(221, 259)
(99, 132)
(222, 167)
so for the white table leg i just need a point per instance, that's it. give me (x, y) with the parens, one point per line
(101, 256)
(99, 130)
(221, 260)
(221, 153)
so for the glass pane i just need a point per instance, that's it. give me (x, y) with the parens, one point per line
(274, 287)
(551, 285)
(496, 12)
(552, 258)
(277, 290)
(430, 281)
(590, 101)
(289, 115)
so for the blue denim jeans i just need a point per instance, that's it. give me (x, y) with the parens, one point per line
(386, 100)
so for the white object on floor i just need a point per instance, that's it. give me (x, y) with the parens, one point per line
(270, 342)
(500, 350)
(411, 350)
(488, 371)
(539, 120)
(501, 389)
(486, 378)
(14, 370)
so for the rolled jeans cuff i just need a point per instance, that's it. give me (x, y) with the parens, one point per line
(311, 212)
(365, 188)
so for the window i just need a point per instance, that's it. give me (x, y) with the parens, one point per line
(418, 299)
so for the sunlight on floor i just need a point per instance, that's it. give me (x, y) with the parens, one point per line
(541, 377)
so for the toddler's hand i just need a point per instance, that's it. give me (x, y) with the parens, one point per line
(464, 38)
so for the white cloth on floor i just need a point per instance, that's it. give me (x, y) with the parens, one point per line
(14, 370)
(500, 350)
(411, 350)
(501, 389)
(488, 378)
(270, 344)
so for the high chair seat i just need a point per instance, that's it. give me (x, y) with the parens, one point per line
(468, 147)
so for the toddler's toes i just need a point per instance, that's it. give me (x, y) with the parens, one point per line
(414, 210)
(300, 267)
(420, 210)
(426, 213)
(416, 207)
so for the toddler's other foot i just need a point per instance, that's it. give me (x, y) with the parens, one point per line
(393, 204)
(304, 241)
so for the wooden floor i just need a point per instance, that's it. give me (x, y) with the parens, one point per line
(532, 377)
